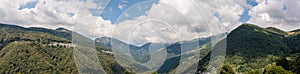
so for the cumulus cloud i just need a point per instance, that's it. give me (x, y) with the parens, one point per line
(186, 19)
(44, 13)
(174, 19)
(51, 14)
(178, 20)
(282, 14)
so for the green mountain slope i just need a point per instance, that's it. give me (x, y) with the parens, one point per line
(250, 45)
(252, 48)
(29, 57)
(44, 51)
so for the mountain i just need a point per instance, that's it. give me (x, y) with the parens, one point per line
(249, 49)
(105, 41)
(40, 50)
(171, 47)
(252, 39)
(174, 50)
(253, 48)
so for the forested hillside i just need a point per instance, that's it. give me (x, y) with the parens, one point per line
(252, 49)
(43, 51)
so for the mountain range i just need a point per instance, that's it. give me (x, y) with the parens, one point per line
(173, 50)
(249, 49)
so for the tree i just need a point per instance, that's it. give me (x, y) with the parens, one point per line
(227, 69)
(296, 65)
(284, 63)
(276, 70)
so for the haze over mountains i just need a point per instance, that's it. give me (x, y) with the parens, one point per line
(174, 51)
(250, 49)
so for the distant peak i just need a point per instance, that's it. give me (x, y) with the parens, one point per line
(254, 28)
(272, 28)
(297, 30)
(62, 29)
(249, 25)
(104, 38)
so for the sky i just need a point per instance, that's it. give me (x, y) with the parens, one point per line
(138, 21)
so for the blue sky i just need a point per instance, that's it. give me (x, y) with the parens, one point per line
(28, 5)
(115, 8)
(245, 15)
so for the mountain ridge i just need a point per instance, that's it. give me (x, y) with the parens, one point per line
(251, 48)
(247, 46)
(35, 47)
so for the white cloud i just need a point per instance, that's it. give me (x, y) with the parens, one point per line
(185, 19)
(272, 13)
(51, 14)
